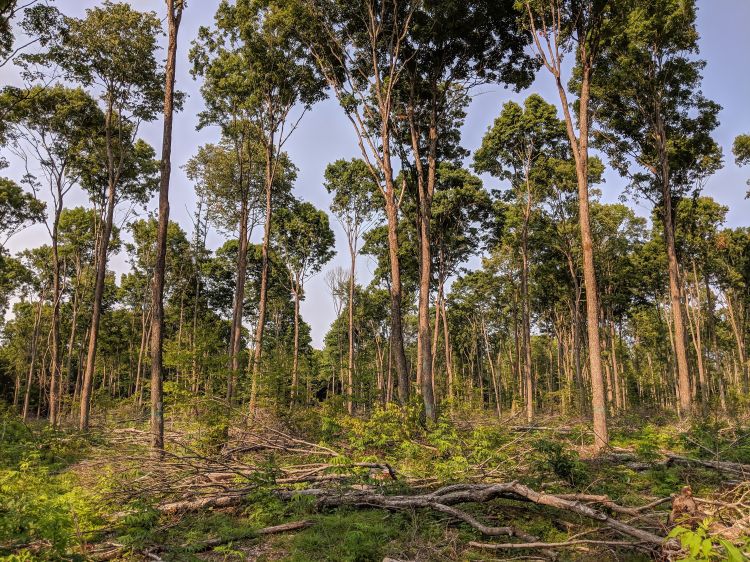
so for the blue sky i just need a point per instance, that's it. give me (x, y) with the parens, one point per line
(325, 135)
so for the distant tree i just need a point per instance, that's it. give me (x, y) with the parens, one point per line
(304, 242)
(49, 129)
(353, 188)
(461, 209)
(253, 61)
(519, 147)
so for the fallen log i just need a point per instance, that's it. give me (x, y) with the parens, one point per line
(444, 500)
(735, 468)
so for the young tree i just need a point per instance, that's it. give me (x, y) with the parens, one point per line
(254, 63)
(49, 129)
(229, 177)
(654, 118)
(559, 27)
(174, 16)
(353, 188)
(521, 147)
(304, 242)
(460, 212)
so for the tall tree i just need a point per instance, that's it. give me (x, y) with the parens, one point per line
(559, 27)
(304, 242)
(253, 59)
(358, 48)
(353, 188)
(654, 118)
(450, 47)
(229, 176)
(174, 16)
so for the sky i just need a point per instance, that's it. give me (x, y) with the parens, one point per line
(325, 135)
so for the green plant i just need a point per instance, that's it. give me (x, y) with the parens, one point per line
(699, 546)
(556, 457)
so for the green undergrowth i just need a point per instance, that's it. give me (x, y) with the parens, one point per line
(44, 513)
(57, 487)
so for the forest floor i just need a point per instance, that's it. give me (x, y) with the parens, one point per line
(318, 485)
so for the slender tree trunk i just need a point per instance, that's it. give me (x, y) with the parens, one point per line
(683, 374)
(257, 352)
(32, 358)
(101, 270)
(425, 190)
(174, 15)
(526, 312)
(295, 364)
(350, 366)
(55, 371)
(239, 299)
(397, 332)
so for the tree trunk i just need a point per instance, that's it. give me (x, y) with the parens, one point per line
(55, 371)
(239, 299)
(257, 352)
(397, 332)
(683, 375)
(350, 366)
(32, 358)
(581, 156)
(174, 14)
(295, 364)
(525, 312)
(96, 309)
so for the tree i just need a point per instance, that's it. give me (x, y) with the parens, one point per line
(229, 177)
(357, 47)
(50, 128)
(304, 242)
(352, 187)
(252, 61)
(654, 118)
(174, 16)
(113, 50)
(450, 47)
(519, 147)
(461, 210)
(558, 27)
